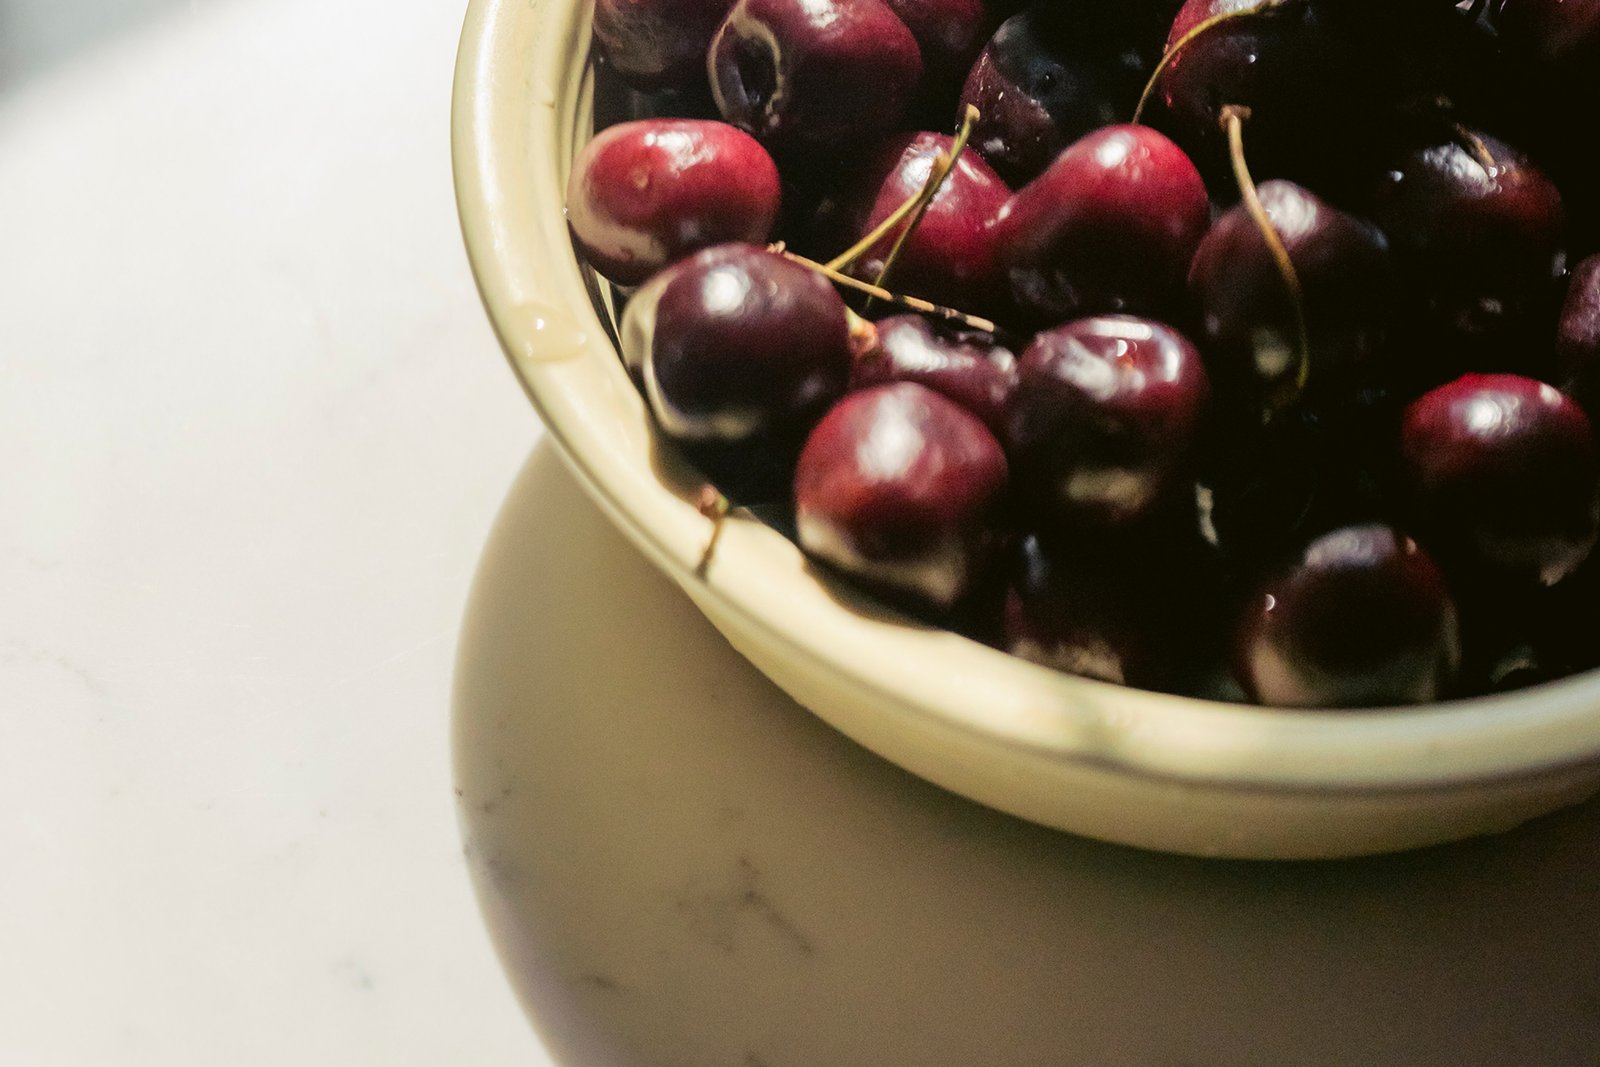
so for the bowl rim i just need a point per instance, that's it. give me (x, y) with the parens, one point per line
(520, 89)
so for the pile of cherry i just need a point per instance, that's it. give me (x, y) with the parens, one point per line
(1245, 348)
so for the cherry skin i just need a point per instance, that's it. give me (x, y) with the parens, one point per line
(1292, 66)
(814, 77)
(949, 33)
(1131, 607)
(736, 344)
(1578, 336)
(658, 44)
(1104, 421)
(645, 193)
(1478, 234)
(951, 257)
(1363, 619)
(1041, 83)
(1247, 315)
(1502, 477)
(899, 488)
(968, 367)
(1110, 226)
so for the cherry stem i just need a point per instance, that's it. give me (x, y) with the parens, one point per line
(714, 506)
(914, 207)
(1475, 147)
(1233, 119)
(1205, 26)
(880, 293)
(943, 164)
(844, 260)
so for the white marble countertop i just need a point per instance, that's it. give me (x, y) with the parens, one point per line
(253, 431)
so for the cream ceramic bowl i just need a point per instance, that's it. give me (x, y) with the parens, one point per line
(1121, 765)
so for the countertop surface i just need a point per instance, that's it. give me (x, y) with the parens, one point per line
(253, 432)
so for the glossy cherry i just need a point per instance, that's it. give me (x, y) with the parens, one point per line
(1290, 64)
(644, 193)
(1478, 233)
(1364, 618)
(1248, 316)
(898, 487)
(736, 344)
(1502, 476)
(969, 367)
(1045, 79)
(1104, 421)
(814, 76)
(658, 44)
(1110, 226)
(951, 257)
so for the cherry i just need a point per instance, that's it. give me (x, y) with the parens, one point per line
(1131, 608)
(950, 257)
(949, 33)
(736, 344)
(1478, 236)
(1110, 226)
(644, 193)
(810, 77)
(1363, 619)
(1578, 336)
(1250, 323)
(967, 366)
(658, 44)
(1290, 63)
(1042, 82)
(1104, 420)
(898, 487)
(1502, 475)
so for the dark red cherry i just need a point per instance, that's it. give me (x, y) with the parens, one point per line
(1478, 234)
(1111, 225)
(1291, 65)
(658, 44)
(1134, 610)
(951, 256)
(644, 193)
(1044, 80)
(736, 343)
(1502, 475)
(814, 76)
(949, 33)
(1248, 317)
(898, 487)
(1578, 336)
(1363, 619)
(1104, 420)
(969, 367)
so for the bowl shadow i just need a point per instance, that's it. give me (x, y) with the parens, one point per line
(680, 865)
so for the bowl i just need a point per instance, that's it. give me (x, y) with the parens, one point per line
(1146, 769)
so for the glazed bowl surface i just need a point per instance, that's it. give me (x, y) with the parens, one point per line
(1140, 768)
